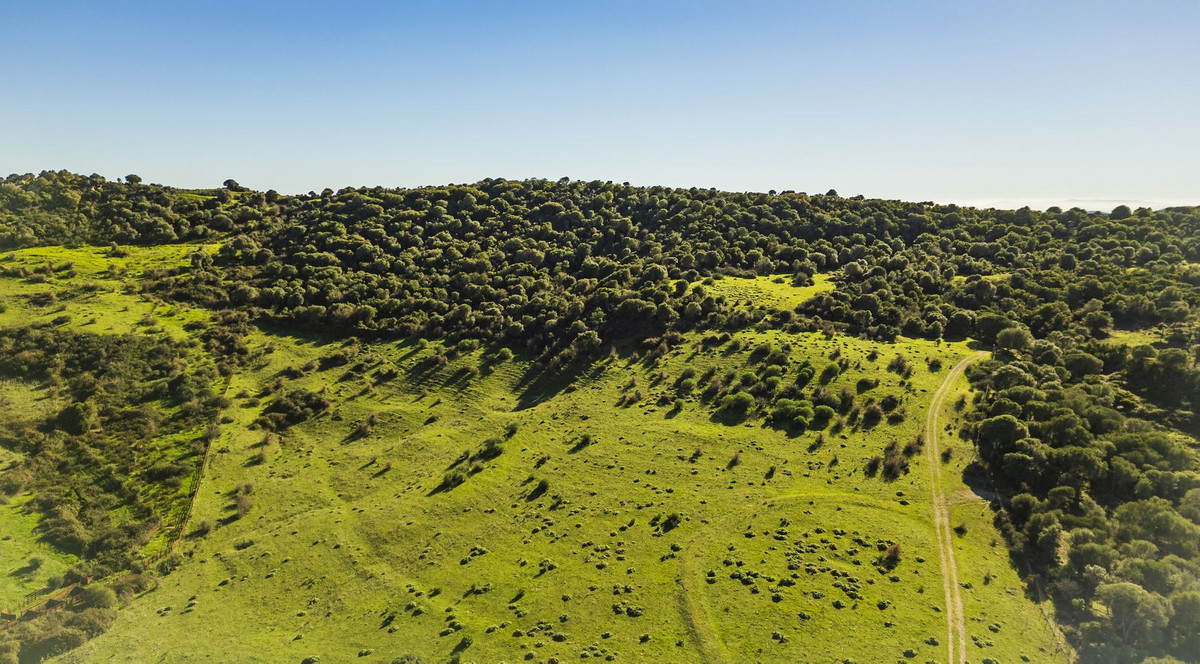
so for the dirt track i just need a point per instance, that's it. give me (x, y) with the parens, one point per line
(956, 625)
(696, 614)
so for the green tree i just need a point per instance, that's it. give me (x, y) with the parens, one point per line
(1185, 623)
(1014, 339)
(1135, 614)
(998, 434)
(77, 418)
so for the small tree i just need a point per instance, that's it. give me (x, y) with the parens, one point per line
(1014, 339)
(891, 556)
(243, 504)
(97, 596)
(76, 418)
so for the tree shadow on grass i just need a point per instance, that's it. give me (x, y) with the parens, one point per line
(538, 491)
(540, 384)
(301, 336)
(443, 487)
(459, 377)
(790, 430)
(26, 570)
(423, 370)
(585, 441)
(728, 417)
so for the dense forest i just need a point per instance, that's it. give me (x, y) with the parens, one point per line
(1087, 445)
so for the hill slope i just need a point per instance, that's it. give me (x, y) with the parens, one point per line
(351, 546)
(541, 420)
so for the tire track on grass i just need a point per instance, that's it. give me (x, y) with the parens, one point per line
(956, 626)
(695, 614)
(691, 603)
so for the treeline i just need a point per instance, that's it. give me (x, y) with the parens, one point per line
(64, 208)
(563, 267)
(1103, 505)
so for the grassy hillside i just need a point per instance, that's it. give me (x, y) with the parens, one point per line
(539, 420)
(608, 519)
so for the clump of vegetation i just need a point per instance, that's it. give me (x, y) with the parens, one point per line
(737, 404)
(891, 556)
(243, 503)
(668, 523)
(452, 478)
(872, 414)
(292, 408)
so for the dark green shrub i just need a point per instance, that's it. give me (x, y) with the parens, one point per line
(737, 403)
(453, 478)
(872, 414)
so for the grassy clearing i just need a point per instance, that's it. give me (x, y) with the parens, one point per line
(351, 547)
(89, 290)
(999, 276)
(26, 402)
(26, 563)
(1144, 337)
(772, 292)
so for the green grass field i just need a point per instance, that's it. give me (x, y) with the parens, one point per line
(26, 563)
(1145, 337)
(668, 534)
(772, 292)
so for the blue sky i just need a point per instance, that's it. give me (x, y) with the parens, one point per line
(1007, 103)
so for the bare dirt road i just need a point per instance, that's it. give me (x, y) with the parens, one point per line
(956, 624)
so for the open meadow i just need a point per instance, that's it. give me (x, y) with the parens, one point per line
(453, 502)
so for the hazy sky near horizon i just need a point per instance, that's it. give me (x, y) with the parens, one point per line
(997, 103)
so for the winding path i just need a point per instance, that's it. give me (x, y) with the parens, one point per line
(956, 625)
